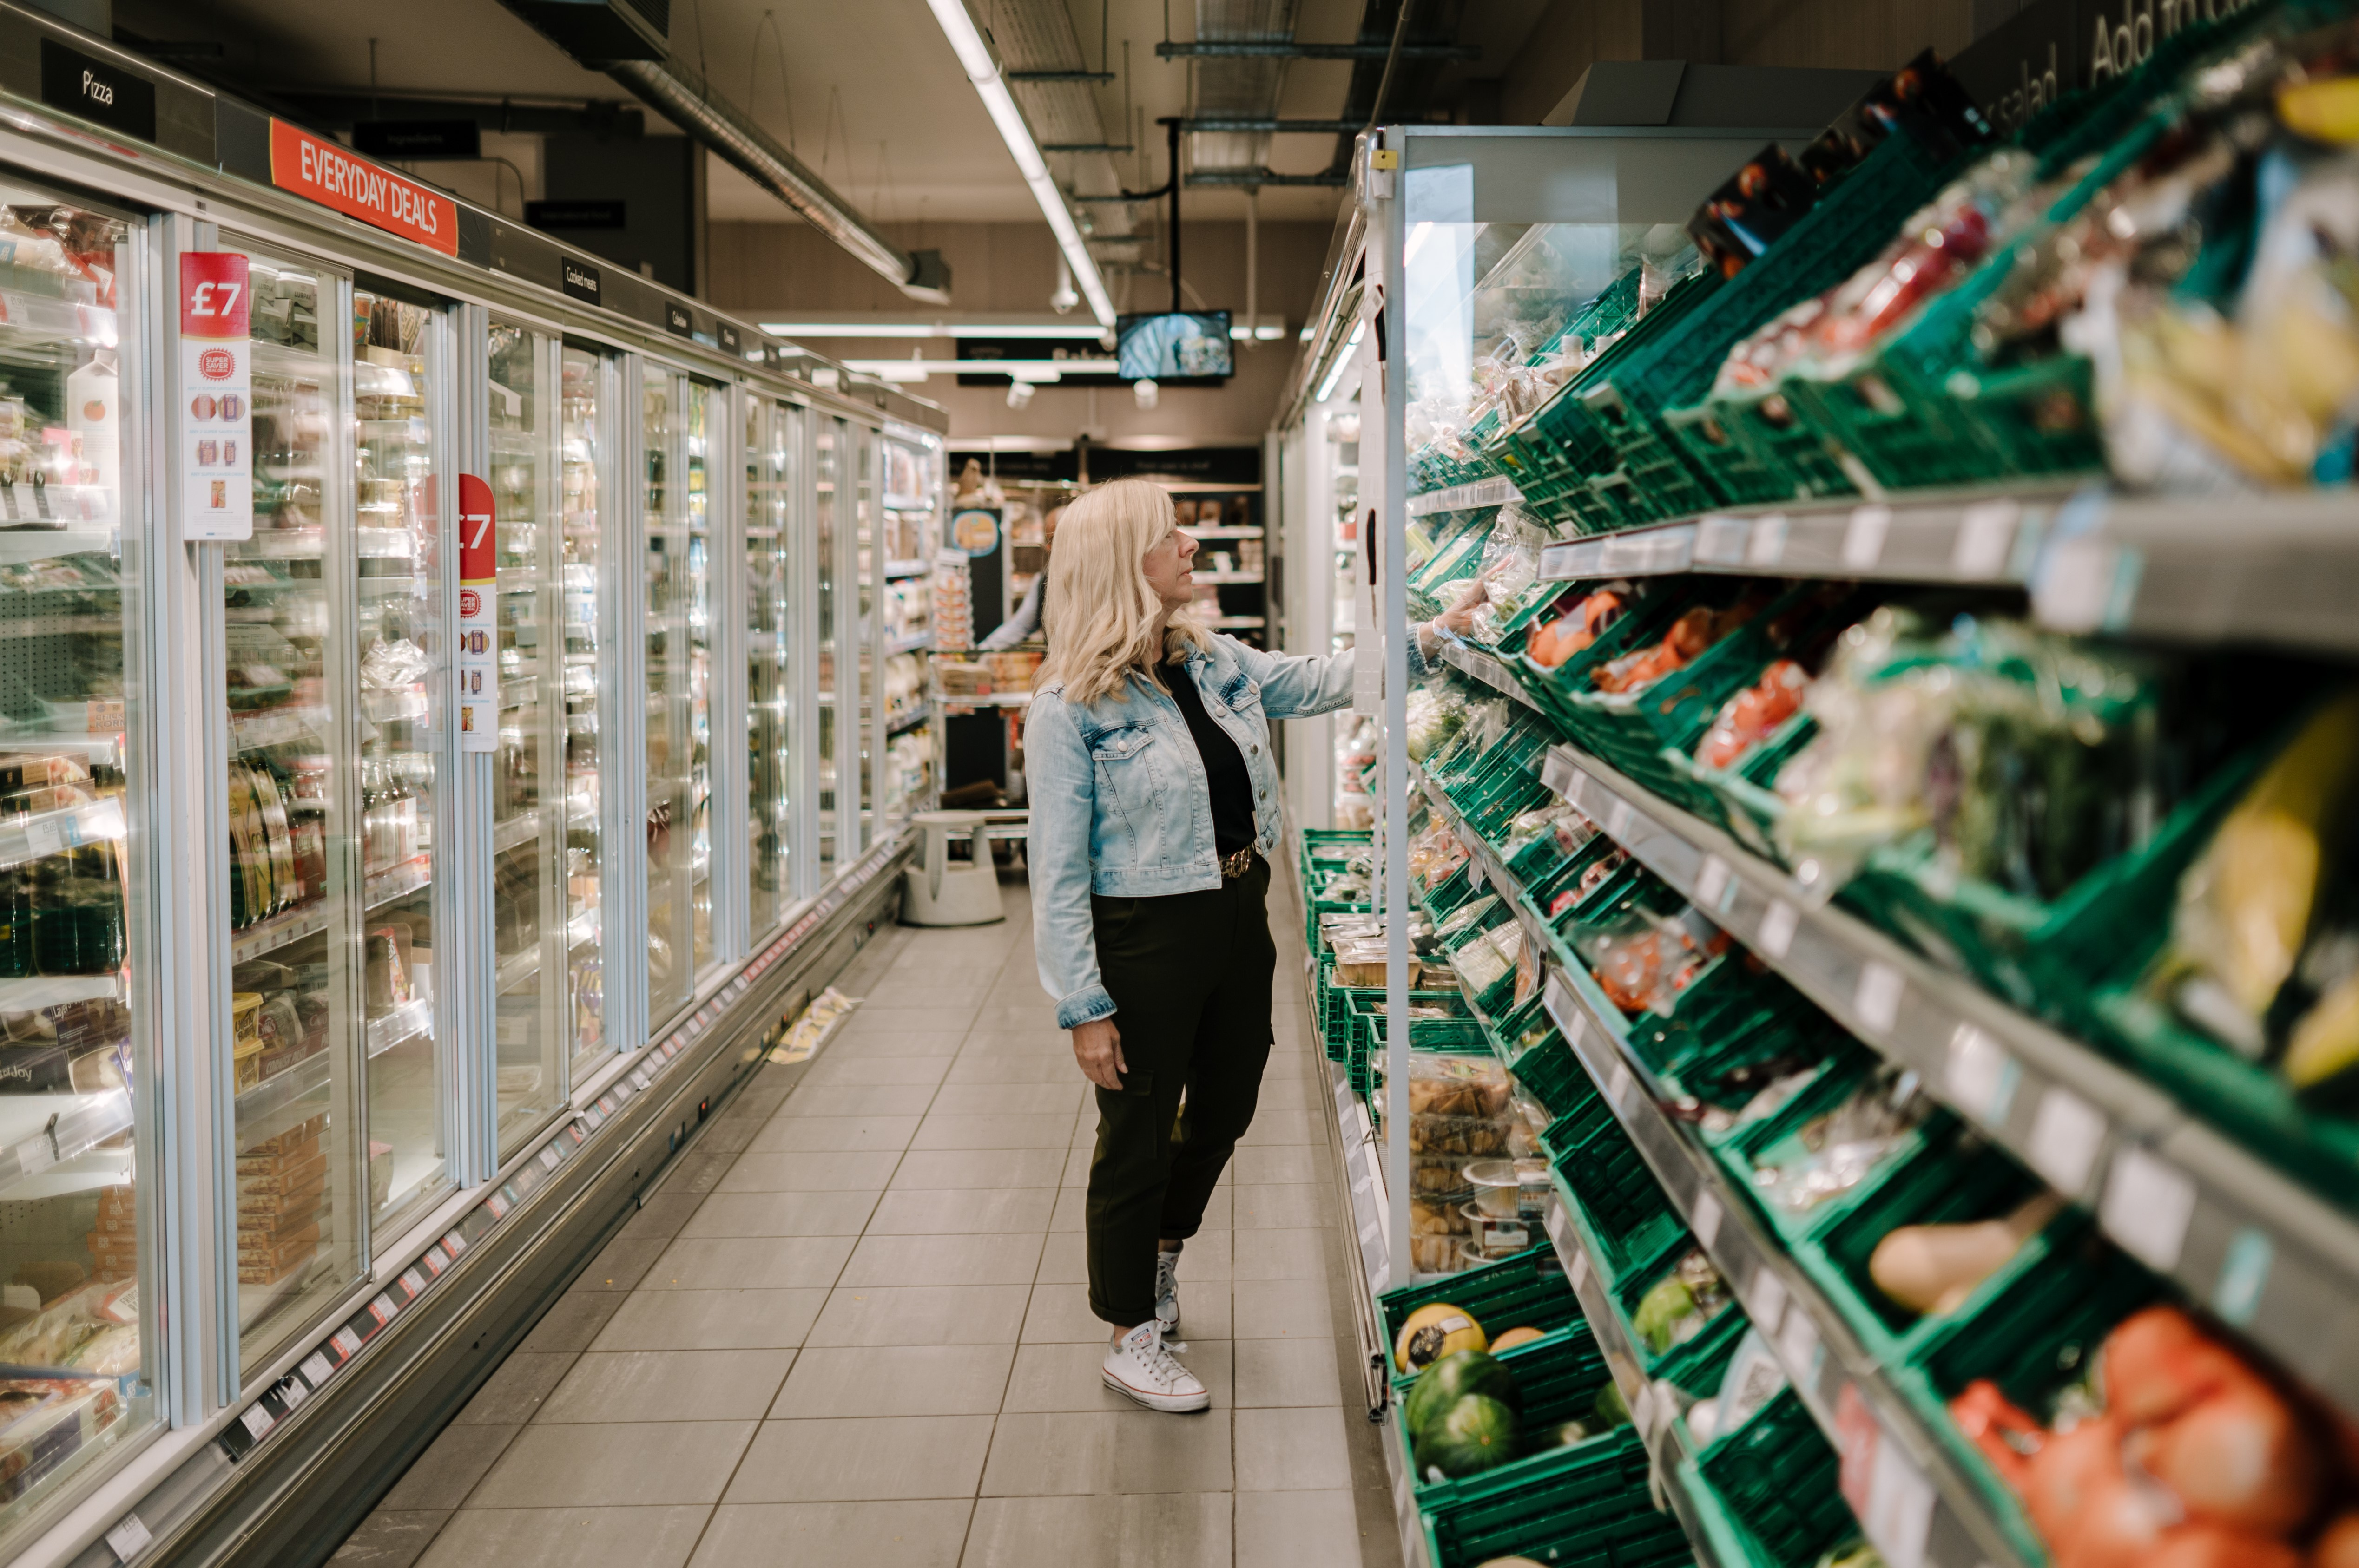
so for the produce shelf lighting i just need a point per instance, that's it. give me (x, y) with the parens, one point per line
(983, 69)
(1335, 371)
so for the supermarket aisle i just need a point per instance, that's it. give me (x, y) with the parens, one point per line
(850, 1328)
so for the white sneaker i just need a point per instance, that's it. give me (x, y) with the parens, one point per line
(1139, 1365)
(1167, 1293)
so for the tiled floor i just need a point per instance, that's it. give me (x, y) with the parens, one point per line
(851, 1328)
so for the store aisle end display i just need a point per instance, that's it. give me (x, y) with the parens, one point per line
(1879, 1047)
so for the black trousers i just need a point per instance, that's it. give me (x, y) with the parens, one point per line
(1190, 974)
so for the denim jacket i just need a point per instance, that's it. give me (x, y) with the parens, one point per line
(1120, 804)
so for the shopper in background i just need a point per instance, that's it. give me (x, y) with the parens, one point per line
(1025, 624)
(1154, 811)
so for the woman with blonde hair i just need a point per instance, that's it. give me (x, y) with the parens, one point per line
(1154, 806)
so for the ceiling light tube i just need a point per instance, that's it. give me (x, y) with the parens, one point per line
(975, 58)
(1335, 371)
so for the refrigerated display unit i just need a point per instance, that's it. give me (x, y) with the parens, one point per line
(328, 791)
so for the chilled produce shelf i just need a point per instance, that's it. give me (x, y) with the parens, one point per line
(2093, 561)
(1657, 1418)
(1930, 1514)
(2238, 1236)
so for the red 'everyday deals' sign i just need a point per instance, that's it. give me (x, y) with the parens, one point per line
(327, 174)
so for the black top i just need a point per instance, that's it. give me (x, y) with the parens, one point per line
(1224, 766)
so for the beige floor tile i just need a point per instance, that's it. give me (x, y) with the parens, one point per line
(1169, 1530)
(588, 1537)
(962, 1212)
(1268, 1164)
(928, 1533)
(922, 1315)
(984, 1259)
(670, 1385)
(859, 1100)
(712, 1320)
(835, 1135)
(1286, 1207)
(837, 1172)
(1099, 1453)
(1010, 1099)
(1286, 1372)
(1292, 1450)
(856, 1070)
(1052, 1131)
(782, 1213)
(1296, 1530)
(749, 1263)
(616, 1464)
(1282, 1309)
(860, 1459)
(1303, 1254)
(974, 1170)
(896, 1379)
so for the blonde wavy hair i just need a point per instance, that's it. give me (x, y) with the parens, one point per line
(1099, 612)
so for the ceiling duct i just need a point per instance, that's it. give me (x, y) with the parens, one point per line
(1057, 85)
(625, 38)
(1237, 87)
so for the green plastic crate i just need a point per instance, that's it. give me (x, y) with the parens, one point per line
(2244, 1099)
(1676, 370)
(1524, 1289)
(1586, 1506)
(1758, 448)
(1779, 1480)
(2044, 955)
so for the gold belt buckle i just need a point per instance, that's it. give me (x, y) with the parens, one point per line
(1237, 865)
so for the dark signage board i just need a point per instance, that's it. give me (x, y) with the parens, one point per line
(99, 90)
(581, 281)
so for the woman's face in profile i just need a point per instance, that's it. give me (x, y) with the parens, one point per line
(1169, 570)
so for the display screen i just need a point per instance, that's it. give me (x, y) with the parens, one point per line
(1180, 346)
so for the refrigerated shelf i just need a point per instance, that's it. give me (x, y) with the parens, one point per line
(2239, 1236)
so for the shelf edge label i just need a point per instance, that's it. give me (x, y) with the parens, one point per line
(216, 397)
(323, 172)
(479, 672)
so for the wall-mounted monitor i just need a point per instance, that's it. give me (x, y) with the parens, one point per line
(1181, 345)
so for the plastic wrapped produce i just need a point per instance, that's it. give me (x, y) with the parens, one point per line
(1839, 1150)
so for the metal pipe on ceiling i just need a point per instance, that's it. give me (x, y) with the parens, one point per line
(1257, 49)
(683, 96)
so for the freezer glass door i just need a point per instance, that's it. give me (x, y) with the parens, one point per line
(588, 382)
(399, 353)
(296, 817)
(771, 434)
(678, 566)
(529, 847)
(827, 443)
(869, 561)
(73, 938)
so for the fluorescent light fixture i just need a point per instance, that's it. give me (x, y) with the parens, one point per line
(1270, 331)
(1077, 330)
(1017, 370)
(1335, 372)
(975, 57)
